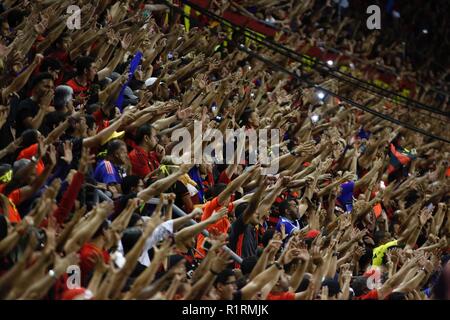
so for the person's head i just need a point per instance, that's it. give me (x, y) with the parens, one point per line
(30, 137)
(225, 284)
(78, 126)
(397, 296)
(23, 172)
(441, 290)
(359, 285)
(63, 100)
(4, 25)
(86, 68)
(333, 287)
(146, 136)
(241, 208)
(381, 237)
(288, 209)
(42, 84)
(399, 141)
(283, 283)
(250, 118)
(117, 151)
(91, 125)
(63, 42)
(131, 184)
(215, 191)
(51, 66)
(129, 238)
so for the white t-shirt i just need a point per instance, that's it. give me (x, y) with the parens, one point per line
(163, 230)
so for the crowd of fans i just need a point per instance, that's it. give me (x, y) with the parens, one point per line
(357, 210)
(411, 44)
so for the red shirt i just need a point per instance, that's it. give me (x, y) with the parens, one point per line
(88, 252)
(100, 120)
(371, 295)
(222, 226)
(28, 153)
(281, 296)
(78, 89)
(13, 214)
(143, 162)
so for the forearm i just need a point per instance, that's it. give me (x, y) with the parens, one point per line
(165, 123)
(56, 133)
(36, 122)
(159, 186)
(259, 281)
(52, 36)
(297, 277)
(102, 136)
(260, 266)
(112, 65)
(19, 82)
(199, 288)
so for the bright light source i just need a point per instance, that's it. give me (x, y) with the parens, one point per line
(320, 95)
(352, 65)
(425, 31)
(330, 62)
(314, 118)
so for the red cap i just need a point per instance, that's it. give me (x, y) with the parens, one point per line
(312, 234)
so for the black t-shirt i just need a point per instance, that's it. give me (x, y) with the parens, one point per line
(27, 108)
(180, 190)
(243, 238)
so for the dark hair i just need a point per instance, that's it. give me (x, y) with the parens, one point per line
(240, 209)
(246, 116)
(82, 64)
(222, 277)
(90, 121)
(141, 132)
(50, 63)
(129, 238)
(103, 227)
(304, 284)
(397, 296)
(267, 236)
(114, 145)
(248, 264)
(39, 78)
(215, 191)
(15, 17)
(283, 206)
(439, 290)
(135, 217)
(29, 137)
(359, 285)
(128, 183)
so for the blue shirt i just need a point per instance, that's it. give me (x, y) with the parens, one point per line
(107, 173)
(289, 226)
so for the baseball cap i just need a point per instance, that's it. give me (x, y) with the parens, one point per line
(312, 234)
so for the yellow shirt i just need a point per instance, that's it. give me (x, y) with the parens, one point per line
(378, 252)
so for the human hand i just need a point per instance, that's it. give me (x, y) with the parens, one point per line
(86, 160)
(67, 157)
